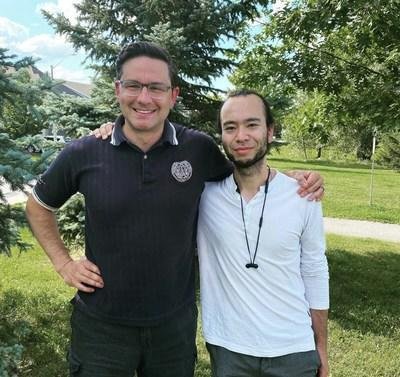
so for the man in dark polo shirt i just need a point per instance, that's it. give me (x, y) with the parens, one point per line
(135, 306)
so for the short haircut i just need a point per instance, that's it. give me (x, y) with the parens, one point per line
(150, 50)
(243, 93)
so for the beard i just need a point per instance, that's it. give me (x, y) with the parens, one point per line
(245, 164)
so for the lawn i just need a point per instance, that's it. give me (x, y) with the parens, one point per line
(348, 188)
(364, 318)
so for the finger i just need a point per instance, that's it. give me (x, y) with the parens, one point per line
(85, 277)
(96, 133)
(302, 191)
(82, 271)
(106, 130)
(313, 186)
(315, 179)
(90, 266)
(317, 195)
(109, 127)
(84, 288)
(92, 282)
(91, 278)
(90, 274)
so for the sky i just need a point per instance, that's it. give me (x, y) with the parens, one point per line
(25, 32)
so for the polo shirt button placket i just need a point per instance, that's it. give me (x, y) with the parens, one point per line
(147, 176)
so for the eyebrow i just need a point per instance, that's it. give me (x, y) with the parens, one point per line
(151, 82)
(247, 120)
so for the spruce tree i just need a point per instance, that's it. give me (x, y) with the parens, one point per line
(17, 168)
(195, 33)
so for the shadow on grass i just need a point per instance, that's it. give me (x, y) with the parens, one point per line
(40, 323)
(365, 291)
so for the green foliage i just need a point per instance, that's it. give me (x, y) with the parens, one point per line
(346, 49)
(74, 116)
(20, 116)
(20, 96)
(8, 87)
(193, 32)
(71, 222)
(10, 357)
(13, 333)
(307, 124)
(17, 169)
(388, 153)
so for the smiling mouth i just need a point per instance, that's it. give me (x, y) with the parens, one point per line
(242, 150)
(144, 111)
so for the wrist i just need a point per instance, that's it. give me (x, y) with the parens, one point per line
(60, 266)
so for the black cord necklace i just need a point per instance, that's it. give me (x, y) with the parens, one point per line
(252, 263)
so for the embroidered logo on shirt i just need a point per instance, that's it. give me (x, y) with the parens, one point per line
(181, 171)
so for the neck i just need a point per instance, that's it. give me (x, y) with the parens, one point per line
(249, 180)
(143, 140)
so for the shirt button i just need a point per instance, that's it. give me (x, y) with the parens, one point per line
(145, 156)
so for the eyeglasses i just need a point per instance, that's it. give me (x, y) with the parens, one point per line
(134, 88)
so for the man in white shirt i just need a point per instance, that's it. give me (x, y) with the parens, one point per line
(263, 269)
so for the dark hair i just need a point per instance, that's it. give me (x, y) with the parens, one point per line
(149, 49)
(243, 93)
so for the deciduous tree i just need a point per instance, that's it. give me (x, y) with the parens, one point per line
(347, 49)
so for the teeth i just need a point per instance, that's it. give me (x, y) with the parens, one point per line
(144, 111)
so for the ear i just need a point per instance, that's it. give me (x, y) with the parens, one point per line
(174, 95)
(270, 134)
(117, 89)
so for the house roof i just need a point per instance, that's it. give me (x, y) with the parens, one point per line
(74, 88)
(65, 87)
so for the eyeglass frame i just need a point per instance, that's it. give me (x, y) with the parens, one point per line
(147, 86)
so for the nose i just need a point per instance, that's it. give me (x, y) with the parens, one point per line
(144, 96)
(241, 134)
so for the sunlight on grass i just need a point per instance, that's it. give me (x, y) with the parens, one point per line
(348, 188)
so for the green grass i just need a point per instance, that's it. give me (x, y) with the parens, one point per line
(364, 321)
(347, 187)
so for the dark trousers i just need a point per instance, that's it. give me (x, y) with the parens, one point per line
(100, 349)
(225, 363)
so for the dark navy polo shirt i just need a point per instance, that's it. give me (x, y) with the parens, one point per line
(141, 214)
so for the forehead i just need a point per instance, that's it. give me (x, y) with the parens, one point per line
(144, 68)
(239, 108)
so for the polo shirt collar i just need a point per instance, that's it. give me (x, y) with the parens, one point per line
(168, 136)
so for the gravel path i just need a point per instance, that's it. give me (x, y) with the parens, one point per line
(364, 229)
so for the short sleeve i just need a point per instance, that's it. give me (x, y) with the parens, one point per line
(218, 165)
(58, 183)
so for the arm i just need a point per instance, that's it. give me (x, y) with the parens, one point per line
(315, 275)
(82, 274)
(311, 183)
(319, 320)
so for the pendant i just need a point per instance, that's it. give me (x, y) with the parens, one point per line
(252, 265)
